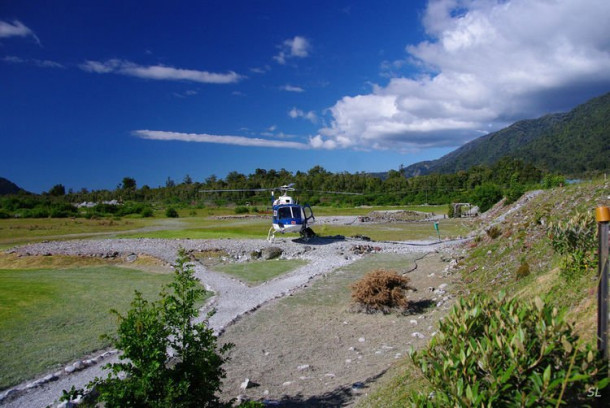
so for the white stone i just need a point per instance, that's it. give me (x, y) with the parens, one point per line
(361, 339)
(245, 384)
(413, 321)
(287, 383)
(418, 335)
(303, 367)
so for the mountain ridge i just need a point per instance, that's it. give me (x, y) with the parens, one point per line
(571, 143)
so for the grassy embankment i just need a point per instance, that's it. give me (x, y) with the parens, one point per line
(491, 266)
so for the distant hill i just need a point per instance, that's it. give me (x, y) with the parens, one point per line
(570, 143)
(8, 187)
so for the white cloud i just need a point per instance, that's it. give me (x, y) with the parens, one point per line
(16, 29)
(311, 116)
(39, 63)
(218, 139)
(292, 88)
(487, 63)
(297, 47)
(159, 72)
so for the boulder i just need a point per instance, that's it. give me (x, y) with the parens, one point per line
(271, 253)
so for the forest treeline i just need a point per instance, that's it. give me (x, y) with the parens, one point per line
(481, 185)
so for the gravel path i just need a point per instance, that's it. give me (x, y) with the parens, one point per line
(233, 298)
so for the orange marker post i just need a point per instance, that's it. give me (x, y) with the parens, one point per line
(602, 216)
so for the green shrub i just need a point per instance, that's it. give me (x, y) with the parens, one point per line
(166, 359)
(486, 195)
(513, 193)
(576, 240)
(171, 212)
(504, 353)
(241, 210)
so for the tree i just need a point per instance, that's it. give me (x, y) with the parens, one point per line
(128, 183)
(57, 190)
(187, 180)
(167, 360)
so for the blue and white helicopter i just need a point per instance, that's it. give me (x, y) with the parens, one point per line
(289, 216)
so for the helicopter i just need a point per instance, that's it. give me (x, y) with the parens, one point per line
(288, 216)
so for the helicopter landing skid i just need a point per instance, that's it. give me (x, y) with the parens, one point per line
(271, 234)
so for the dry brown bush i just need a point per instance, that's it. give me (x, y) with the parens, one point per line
(381, 291)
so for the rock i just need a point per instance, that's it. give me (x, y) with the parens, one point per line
(69, 369)
(442, 286)
(287, 383)
(131, 257)
(255, 254)
(271, 253)
(413, 322)
(361, 339)
(418, 335)
(303, 367)
(246, 384)
(78, 365)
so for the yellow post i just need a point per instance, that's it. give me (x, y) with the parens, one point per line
(602, 216)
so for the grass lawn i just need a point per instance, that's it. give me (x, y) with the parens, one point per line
(49, 317)
(260, 271)
(21, 231)
(448, 228)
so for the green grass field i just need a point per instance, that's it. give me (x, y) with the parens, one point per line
(204, 224)
(49, 317)
(259, 271)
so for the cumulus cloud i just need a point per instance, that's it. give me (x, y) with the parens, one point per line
(159, 72)
(311, 116)
(16, 29)
(297, 47)
(485, 64)
(219, 139)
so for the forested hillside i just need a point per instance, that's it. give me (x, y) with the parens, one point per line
(573, 144)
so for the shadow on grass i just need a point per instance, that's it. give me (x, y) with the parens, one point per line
(339, 397)
(419, 307)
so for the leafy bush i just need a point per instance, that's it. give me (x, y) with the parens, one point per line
(502, 353)
(382, 291)
(513, 193)
(486, 195)
(241, 210)
(553, 180)
(576, 240)
(148, 336)
(171, 212)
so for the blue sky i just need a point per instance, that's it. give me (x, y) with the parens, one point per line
(94, 91)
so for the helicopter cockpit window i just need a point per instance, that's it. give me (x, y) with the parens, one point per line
(285, 212)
